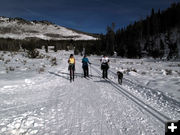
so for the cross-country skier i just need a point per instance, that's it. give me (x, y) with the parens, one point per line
(85, 62)
(104, 66)
(71, 67)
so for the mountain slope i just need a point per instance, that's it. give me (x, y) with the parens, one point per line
(18, 28)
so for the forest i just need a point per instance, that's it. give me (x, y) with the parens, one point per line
(151, 36)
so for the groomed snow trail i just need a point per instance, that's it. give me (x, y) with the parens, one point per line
(49, 104)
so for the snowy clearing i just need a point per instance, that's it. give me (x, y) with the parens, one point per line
(38, 98)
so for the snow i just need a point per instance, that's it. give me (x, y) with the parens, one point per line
(17, 30)
(160, 75)
(34, 102)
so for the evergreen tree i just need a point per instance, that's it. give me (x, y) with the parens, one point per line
(46, 48)
(110, 40)
(55, 48)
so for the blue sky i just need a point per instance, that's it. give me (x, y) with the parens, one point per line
(85, 15)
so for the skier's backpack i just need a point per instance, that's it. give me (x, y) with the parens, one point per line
(104, 66)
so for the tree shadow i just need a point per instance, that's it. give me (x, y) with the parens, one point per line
(79, 74)
(67, 78)
(76, 74)
(102, 81)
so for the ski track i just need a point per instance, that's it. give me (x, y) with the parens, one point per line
(152, 97)
(51, 105)
(136, 100)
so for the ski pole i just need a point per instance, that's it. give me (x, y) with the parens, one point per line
(90, 70)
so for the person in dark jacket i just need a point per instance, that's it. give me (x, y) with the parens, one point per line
(85, 63)
(104, 66)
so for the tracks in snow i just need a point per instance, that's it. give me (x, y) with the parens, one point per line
(156, 114)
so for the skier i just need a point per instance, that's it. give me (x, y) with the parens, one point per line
(85, 63)
(71, 67)
(104, 66)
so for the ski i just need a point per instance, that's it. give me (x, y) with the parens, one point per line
(89, 77)
(86, 78)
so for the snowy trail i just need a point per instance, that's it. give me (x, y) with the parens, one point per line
(49, 104)
(156, 100)
(161, 117)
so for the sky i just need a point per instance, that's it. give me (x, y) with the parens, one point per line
(85, 15)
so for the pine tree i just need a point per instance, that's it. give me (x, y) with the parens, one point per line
(46, 48)
(110, 40)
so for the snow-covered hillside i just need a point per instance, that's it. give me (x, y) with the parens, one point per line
(21, 29)
(37, 98)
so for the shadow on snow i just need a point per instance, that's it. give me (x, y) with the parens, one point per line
(60, 74)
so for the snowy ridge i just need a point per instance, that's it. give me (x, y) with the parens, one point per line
(22, 29)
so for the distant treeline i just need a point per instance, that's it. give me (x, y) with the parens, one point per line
(141, 36)
(7, 44)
